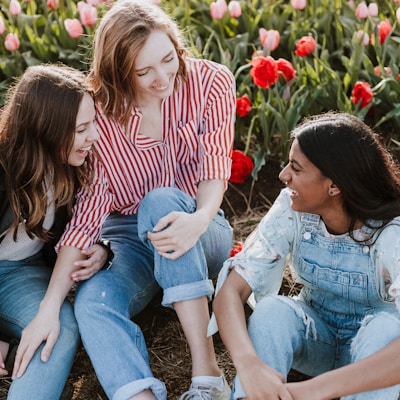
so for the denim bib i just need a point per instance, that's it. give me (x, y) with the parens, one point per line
(338, 274)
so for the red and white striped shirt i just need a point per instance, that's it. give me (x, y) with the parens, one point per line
(198, 125)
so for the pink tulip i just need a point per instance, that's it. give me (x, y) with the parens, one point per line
(351, 3)
(87, 13)
(398, 14)
(73, 27)
(373, 9)
(2, 26)
(234, 8)
(218, 9)
(363, 37)
(362, 10)
(397, 1)
(53, 4)
(11, 42)
(269, 39)
(15, 7)
(377, 70)
(298, 4)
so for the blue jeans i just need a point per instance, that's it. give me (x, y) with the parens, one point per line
(22, 288)
(105, 304)
(302, 340)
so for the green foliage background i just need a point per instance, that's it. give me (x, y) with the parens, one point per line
(324, 79)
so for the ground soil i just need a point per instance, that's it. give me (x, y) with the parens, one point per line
(244, 205)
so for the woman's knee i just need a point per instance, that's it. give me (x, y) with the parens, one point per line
(274, 314)
(162, 201)
(376, 332)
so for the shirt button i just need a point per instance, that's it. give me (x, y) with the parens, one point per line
(365, 249)
(307, 236)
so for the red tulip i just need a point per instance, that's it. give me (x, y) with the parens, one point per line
(384, 29)
(243, 105)
(305, 46)
(362, 94)
(242, 166)
(264, 71)
(286, 68)
(236, 249)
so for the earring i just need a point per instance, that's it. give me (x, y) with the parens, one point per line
(331, 193)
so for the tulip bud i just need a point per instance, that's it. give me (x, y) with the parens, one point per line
(298, 4)
(234, 8)
(11, 42)
(15, 7)
(362, 10)
(53, 4)
(269, 39)
(2, 26)
(87, 13)
(362, 37)
(73, 27)
(373, 10)
(218, 9)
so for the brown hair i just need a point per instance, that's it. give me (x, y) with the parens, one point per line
(121, 34)
(37, 131)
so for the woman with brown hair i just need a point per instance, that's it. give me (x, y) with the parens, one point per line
(46, 135)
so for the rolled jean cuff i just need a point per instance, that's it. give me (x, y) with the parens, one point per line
(127, 391)
(188, 291)
(237, 391)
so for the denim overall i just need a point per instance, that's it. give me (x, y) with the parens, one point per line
(338, 318)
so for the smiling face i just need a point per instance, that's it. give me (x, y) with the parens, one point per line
(85, 132)
(310, 189)
(156, 68)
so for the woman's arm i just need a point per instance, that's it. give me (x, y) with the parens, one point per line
(179, 231)
(377, 371)
(258, 380)
(45, 327)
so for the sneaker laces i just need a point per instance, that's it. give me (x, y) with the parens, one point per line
(198, 393)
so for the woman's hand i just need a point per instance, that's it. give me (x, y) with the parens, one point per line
(261, 382)
(305, 390)
(45, 327)
(176, 233)
(97, 256)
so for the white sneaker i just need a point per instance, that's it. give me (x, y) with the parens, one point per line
(201, 392)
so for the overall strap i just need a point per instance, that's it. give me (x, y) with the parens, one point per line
(309, 223)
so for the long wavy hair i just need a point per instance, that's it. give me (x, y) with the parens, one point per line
(349, 152)
(120, 36)
(37, 131)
